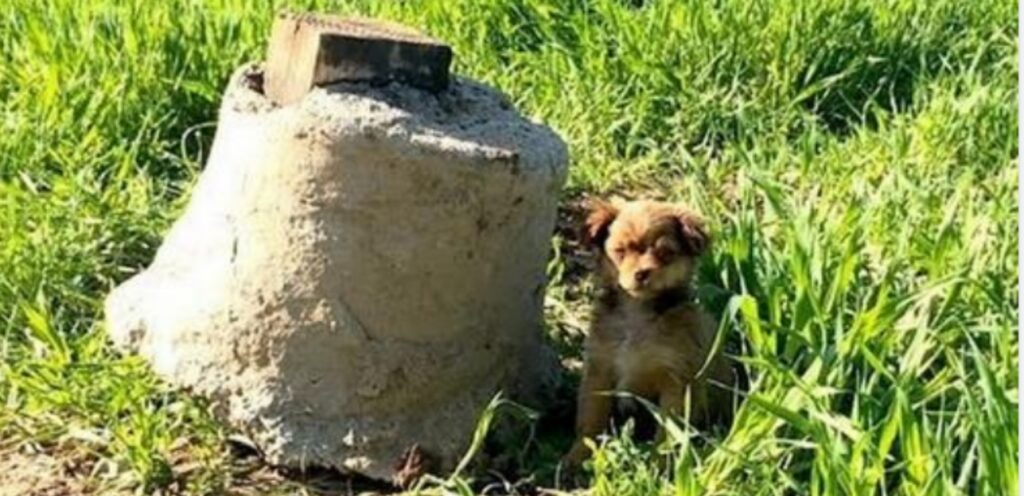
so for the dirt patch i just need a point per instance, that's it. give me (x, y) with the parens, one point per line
(25, 473)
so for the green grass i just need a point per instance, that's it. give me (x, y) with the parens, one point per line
(857, 159)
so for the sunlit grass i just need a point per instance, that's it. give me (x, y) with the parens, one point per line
(857, 160)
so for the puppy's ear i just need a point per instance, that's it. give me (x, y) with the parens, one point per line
(600, 216)
(693, 233)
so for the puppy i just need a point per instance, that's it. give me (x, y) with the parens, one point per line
(648, 336)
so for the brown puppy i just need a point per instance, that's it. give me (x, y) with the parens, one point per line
(648, 336)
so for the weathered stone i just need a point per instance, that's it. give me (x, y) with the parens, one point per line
(314, 50)
(356, 274)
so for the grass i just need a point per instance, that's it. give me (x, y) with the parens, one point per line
(857, 159)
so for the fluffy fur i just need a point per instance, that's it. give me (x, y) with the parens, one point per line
(648, 336)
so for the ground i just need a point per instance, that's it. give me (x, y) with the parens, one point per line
(857, 161)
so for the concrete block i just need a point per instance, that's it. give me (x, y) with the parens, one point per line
(307, 50)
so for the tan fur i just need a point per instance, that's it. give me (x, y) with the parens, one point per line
(648, 336)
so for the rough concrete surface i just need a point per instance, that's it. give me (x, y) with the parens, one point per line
(357, 272)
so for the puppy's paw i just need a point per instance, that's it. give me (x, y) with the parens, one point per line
(576, 455)
(571, 473)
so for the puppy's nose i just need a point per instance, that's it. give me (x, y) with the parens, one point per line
(642, 275)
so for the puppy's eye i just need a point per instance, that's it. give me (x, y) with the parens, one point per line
(619, 252)
(664, 253)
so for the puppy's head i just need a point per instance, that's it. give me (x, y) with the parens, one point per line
(646, 247)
